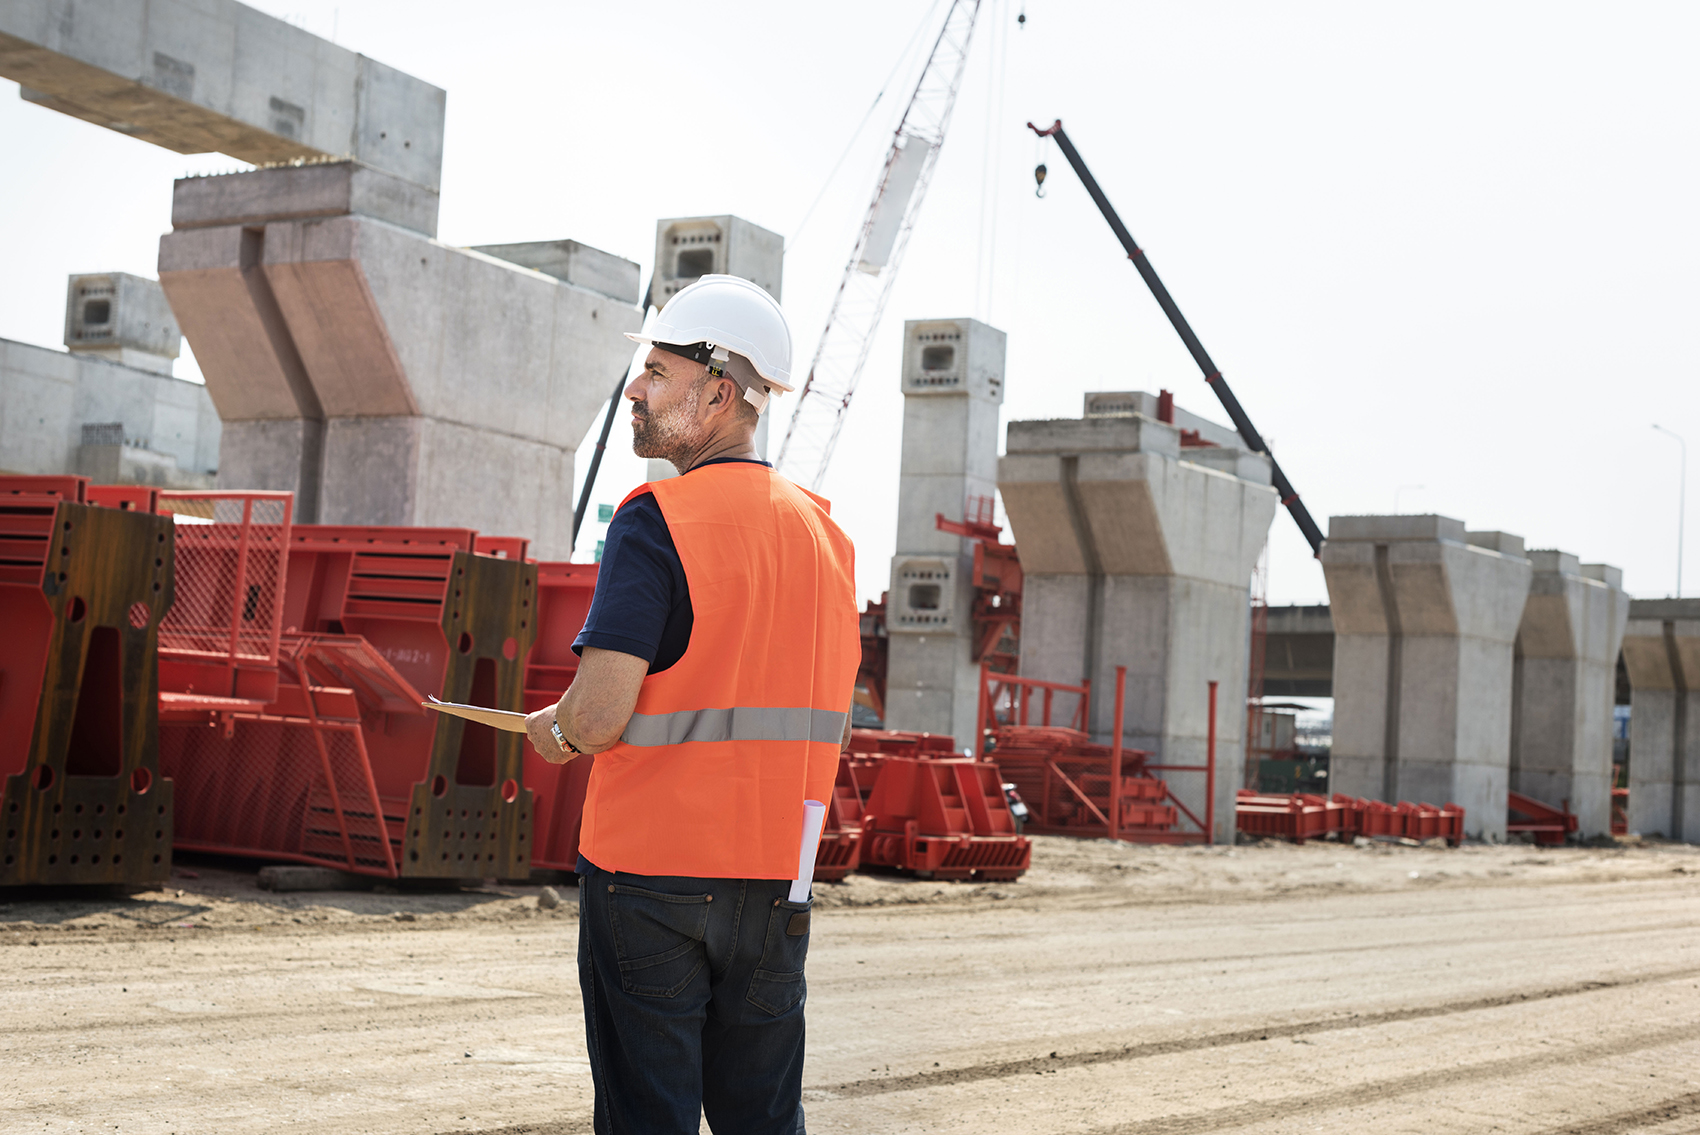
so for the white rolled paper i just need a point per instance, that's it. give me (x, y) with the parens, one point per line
(814, 818)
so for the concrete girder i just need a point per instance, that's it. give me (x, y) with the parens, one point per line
(1425, 615)
(199, 76)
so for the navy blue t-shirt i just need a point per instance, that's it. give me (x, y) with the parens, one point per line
(642, 604)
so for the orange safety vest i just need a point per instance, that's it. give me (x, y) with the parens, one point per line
(709, 778)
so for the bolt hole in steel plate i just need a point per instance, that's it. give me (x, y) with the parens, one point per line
(78, 609)
(510, 790)
(440, 785)
(140, 781)
(43, 778)
(510, 648)
(465, 642)
(139, 614)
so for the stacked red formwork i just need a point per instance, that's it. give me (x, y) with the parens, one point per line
(840, 850)
(564, 591)
(324, 755)
(942, 818)
(85, 578)
(1404, 820)
(1295, 817)
(1071, 785)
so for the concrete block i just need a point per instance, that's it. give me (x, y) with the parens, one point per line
(122, 318)
(47, 398)
(1128, 403)
(1564, 686)
(296, 193)
(573, 263)
(216, 75)
(1661, 650)
(1093, 435)
(688, 248)
(1425, 621)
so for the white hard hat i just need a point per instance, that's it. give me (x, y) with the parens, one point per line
(728, 314)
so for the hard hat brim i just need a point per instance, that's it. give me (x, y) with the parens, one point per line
(650, 340)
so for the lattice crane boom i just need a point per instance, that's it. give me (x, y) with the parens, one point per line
(812, 434)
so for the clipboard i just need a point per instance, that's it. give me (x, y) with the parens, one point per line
(505, 720)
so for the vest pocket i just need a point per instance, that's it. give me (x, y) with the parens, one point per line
(778, 985)
(657, 939)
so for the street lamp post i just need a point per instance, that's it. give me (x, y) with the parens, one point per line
(1681, 502)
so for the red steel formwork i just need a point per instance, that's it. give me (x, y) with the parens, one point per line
(564, 592)
(1404, 820)
(1550, 826)
(1296, 817)
(942, 818)
(329, 758)
(1073, 786)
(840, 850)
(85, 578)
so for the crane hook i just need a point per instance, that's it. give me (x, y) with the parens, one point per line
(1039, 180)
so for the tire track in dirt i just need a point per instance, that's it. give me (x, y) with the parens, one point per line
(1380, 1091)
(997, 1070)
(1626, 1121)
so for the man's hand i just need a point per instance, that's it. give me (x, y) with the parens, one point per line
(543, 740)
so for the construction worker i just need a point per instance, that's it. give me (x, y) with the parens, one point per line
(716, 673)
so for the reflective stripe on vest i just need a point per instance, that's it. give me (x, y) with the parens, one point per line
(740, 723)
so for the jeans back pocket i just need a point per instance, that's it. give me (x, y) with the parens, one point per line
(657, 938)
(777, 985)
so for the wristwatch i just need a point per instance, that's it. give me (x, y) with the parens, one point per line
(566, 745)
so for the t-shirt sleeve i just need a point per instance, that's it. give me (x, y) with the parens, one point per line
(635, 588)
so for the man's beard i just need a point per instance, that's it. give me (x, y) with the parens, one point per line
(667, 434)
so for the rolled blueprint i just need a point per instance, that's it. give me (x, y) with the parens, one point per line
(814, 818)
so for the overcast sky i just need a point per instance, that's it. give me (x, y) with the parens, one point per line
(1445, 253)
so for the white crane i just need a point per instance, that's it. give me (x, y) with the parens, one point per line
(815, 424)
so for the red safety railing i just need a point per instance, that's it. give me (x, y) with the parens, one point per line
(220, 639)
(1074, 786)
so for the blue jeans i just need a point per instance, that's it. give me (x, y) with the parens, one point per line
(693, 1002)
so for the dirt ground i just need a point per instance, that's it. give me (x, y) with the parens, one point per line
(1264, 988)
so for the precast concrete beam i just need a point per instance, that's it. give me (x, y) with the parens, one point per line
(199, 76)
(1137, 555)
(440, 382)
(1661, 651)
(1564, 686)
(1425, 615)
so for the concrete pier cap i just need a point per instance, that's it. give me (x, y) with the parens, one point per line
(1138, 551)
(1661, 651)
(385, 377)
(1426, 616)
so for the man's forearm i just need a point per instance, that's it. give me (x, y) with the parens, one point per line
(594, 710)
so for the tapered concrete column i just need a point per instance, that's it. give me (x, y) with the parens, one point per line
(1564, 686)
(1138, 552)
(1425, 615)
(952, 381)
(416, 383)
(1661, 650)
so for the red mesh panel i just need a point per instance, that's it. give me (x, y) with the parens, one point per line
(232, 552)
(283, 788)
